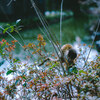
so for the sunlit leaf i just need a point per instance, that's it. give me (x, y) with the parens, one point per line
(18, 21)
(4, 31)
(82, 71)
(52, 66)
(11, 28)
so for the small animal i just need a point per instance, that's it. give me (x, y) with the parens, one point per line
(67, 56)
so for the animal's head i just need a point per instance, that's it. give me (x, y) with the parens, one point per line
(72, 54)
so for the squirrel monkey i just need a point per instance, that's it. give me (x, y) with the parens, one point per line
(68, 55)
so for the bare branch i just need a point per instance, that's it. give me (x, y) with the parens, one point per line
(92, 41)
(48, 59)
(9, 2)
(61, 22)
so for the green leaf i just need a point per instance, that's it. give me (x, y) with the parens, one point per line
(99, 57)
(52, 66)
(8, 24)
(16, 82)
(1, 50)
(16, 60)
(3, 44)
(4, 31)
(18, 21)
(70, 70)
(1, 62)
(24, 77)
(12, 28)
(25, 84)
(9, 72)
(75, 70)
(82, 71)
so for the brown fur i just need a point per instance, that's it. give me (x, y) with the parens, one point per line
(68, 55)
(65, 48)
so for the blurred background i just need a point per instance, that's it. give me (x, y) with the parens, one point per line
(79, 20)
(11, 10)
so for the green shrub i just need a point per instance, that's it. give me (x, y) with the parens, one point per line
(32, 81)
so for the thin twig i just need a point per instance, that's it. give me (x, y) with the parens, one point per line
(50, 59)
(69, 92)
(93, 41)
(50, 36)
(9, 2)
(61, 22)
